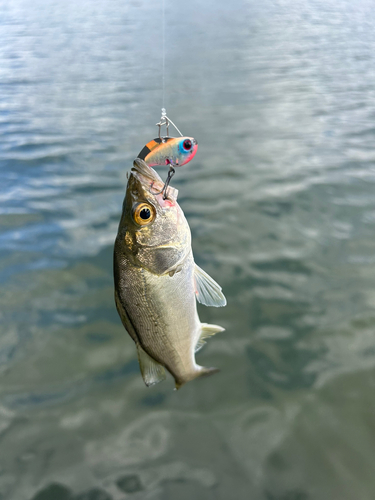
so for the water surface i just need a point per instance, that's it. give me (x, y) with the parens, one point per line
(281, 97)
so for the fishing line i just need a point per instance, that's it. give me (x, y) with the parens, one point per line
(164, 120)
(163, 51)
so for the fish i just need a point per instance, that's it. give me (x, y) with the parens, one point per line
(174, 151)
(157, 283)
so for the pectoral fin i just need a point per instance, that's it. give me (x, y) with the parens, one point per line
(207, 331)
(207, 291)
(152, 371)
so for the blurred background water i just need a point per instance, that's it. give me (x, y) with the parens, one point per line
(280, 199)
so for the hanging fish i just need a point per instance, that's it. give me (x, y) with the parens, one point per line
(174, 151)
(157, 281)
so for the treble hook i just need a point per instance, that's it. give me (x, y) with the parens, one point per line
(171, 173)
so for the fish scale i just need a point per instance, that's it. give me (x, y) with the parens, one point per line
(177, 329)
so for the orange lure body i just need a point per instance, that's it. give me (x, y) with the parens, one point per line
(173, 151)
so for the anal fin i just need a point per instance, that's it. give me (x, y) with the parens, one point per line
(152, 371)
(207, 291)
(207, 331)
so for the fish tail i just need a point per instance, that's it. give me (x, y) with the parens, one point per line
(201, 371)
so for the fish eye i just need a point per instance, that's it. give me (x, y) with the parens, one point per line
(143, 214)
(187, 144)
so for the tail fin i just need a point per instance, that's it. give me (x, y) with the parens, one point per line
(200, 371)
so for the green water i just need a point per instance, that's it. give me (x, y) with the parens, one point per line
(280, 200)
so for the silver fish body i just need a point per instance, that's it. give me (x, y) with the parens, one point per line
(157, 281)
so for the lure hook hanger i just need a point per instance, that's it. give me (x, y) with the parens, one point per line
(164, 120)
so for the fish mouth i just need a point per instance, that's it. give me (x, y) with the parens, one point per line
(151, 180)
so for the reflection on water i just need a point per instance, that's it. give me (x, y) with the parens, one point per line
(280, 96)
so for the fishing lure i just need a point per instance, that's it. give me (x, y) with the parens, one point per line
(174, 151)
(171, 151)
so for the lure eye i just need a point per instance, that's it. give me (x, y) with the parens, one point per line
(187, 144)
(143, 214)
